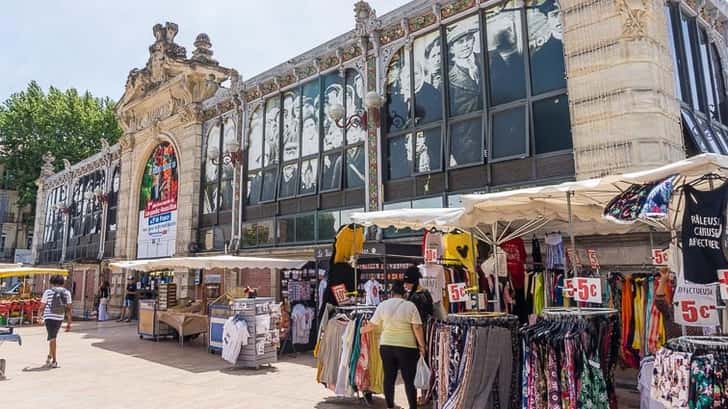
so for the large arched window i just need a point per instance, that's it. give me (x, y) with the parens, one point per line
(487, 88)
(52, 246)
(112, 210)
(86, 217)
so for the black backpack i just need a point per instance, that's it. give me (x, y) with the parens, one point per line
(58, 302)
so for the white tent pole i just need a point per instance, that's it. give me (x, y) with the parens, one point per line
(494, 230)
(571, 236)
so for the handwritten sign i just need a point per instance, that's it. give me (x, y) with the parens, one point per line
(456, 292)
(695, 305)
(723, 281)
(339, 292)
(659, 257)
(584, 289)
(431, 255)
(593, 259)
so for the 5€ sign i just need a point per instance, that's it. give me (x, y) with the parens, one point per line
(584, 289)
(456, 292)
(695, 305)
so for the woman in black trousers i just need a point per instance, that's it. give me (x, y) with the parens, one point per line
(401, 343)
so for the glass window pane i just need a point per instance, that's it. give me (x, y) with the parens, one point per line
(354, 104)
(212, 150)
(464, 62)
(455, 201)
(255, 184)
(331, 172)
(289, 180)
(466, 143)
(306, 228)
(308, 176)
(428, 78)
(333, 94)
(399, 151)
(209, 205)
(703, 46)
(428, 203)
(552, 126)
(286, 229)
(328, 225)
(427, 150)
(708, 136)
(269, 185)
(291, 122)
(398, 91)
(507, 72)
(355, 166)
(255, 139)
(346, 215)
(676, 63)
(719, 83)
(546, 47)
(310, 118)
(686, 28)
(229, 136)
(509, 134)
(226, 190)
(272, 125)
(250, 235)
(266, 232)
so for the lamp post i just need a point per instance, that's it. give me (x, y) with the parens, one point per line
(232, 156)
(359, 119)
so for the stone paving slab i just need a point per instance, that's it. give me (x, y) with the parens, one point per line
(105, 365)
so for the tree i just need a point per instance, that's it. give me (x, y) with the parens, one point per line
(65, 123)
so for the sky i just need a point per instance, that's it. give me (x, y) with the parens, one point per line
(92, 45)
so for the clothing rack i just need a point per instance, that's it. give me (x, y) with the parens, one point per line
(578, 312)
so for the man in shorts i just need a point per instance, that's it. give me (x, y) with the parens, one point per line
(131, 290)
(56, 304)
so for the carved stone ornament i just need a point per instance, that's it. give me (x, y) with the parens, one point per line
(66, 164)
(203, 50)
(366, 19)
(47, 168)
(192, 113)
(169, 81)
(104, 145)
(127, 142)
(634, 24)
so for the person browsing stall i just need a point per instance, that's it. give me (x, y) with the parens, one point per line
(401, 343)
(56, 304)
(419, 295)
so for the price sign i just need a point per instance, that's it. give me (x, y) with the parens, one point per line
(593, 260)
(723, 280)
(659, 257)
(573, 258)
(586, 289)
(456, 292)
(430, 255)
(695, 305)
(569, 287)
(339, 292)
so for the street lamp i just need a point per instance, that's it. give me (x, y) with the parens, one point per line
(372, 100)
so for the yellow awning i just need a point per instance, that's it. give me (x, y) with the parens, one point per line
(6, 272)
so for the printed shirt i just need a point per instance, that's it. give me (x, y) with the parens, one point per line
(433, 279)
(48, 299)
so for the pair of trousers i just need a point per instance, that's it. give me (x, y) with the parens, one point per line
(493, 363)
(399, 359)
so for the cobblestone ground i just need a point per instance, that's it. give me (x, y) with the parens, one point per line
(107, 366)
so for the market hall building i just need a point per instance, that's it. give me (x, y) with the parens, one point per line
(407, 110)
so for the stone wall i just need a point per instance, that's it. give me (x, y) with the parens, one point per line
(624, 113)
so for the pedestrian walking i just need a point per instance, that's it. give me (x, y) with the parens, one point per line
(103, 301)
(55, 304)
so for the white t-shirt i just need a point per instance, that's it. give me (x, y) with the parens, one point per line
(488, 265)
(234, 335)
(433, 279)
(433, 241)
(48, 299)
(395, 317)
(302, 321)
(372, 288)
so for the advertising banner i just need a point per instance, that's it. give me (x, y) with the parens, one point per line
(158, 204)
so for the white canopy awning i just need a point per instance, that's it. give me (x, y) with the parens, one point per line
(208, 262)
(441, 218)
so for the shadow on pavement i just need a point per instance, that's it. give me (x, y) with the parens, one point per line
(41, 368)
(192, 357)
(342, 402)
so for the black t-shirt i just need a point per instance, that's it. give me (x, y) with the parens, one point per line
(130, 291)
(104, 292)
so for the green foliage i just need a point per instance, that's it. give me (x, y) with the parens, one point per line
(67, 124)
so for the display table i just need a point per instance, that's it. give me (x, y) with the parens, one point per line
(149, 324)
(185, 323)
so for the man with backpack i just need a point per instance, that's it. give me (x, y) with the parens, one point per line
(56, 304)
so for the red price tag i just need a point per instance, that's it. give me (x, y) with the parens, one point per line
(573, 258)
(659, 257)
(695, 305)
(569, 287)
(456, 292)
(430, 255)
(723, 280)
(586, 289)
(593, 260)
(339, 292)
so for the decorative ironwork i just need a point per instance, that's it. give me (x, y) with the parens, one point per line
(456, 7)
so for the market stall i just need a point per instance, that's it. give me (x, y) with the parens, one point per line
(23, 306)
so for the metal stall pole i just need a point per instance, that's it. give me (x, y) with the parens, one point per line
(573, 241)
(494, 230)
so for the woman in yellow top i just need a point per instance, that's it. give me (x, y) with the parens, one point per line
(401, 343)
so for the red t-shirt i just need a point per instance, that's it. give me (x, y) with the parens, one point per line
(516, 255)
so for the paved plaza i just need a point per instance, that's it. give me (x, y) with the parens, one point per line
(107, 366)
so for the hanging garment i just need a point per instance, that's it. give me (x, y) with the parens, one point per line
(626, 352)
(516, 256)
(432, 240)
(657, 202)
(539, 302)
(703, 234)
(593, 392)
(372, 289)
(433, 280)
(489, 266)
(555, 254)
(234, 336)
(536, 254)
(648, 200)
(330, 351)
(302, 319)
(349, 241)
(343, 387)
(638, 314)
(492, 365)
(461, 246)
